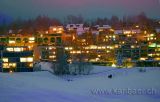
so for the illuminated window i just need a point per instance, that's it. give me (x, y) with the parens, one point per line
(23, 60)
(60, 29)
(52, 56)
(70, 48)
(66, 48)
(18, 49)
(78, 51)
(31, 40)
(30, 59)
(5, 65)
(93, 47)
(142, 59)
(12, 42)
(132, 46)
(31, 65)
(9, 65)
(12, 65)
(54, 29)
(157, 58)
(9, 49)
(103, 47)
(5, 59)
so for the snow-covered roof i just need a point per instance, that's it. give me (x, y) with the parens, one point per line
(103, 27)
(74, 26)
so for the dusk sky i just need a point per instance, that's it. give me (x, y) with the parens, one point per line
(87, 8)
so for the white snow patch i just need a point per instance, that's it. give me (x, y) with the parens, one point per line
(46, 87)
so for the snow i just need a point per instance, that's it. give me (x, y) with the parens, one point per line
(46, 87)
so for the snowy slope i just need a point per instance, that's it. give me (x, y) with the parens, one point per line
(45, 87)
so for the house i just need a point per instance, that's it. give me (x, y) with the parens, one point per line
(118, 31)
(103, 27)
(56, 29)
(79, 28)
(127, 31)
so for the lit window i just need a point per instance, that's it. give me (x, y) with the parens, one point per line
(52, 56)
(78, 51)
(157, 58)
(12, 65)
(70, 48)
(9, 49)
(17, 49)
(5, 59)
(99, 47)
(31, 41)
(66, 48)
(60, 29)
(93, 47)
(54, 29)
(5, 65)
(12, 42)
(142, 59)
(30, 59)
(31, 65)
(132, 46)
(23, 60)
(103, 47)
(32, 38)
(9, 65)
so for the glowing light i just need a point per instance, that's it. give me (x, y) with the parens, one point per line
(10, 71)
(127, 32)
(52, 56)
(143, 59)
(29, 59)
(112, 30)
(74, 37)
(23, 59)
(54, 29)
(113, 65)
(93, 47)
(12, 42)
(31, 38)
(5, 59)
(18, 49)
(145, 32)
(31, 65)
(12, 65)
(132, 46)
(9, 49)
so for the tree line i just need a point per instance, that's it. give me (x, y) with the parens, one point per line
(42, 23)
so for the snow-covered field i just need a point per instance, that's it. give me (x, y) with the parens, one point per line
(97, 87)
